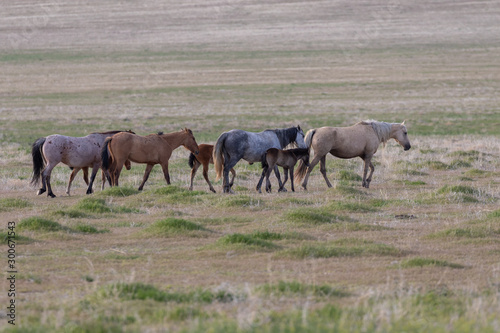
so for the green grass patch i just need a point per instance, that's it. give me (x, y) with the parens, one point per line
(13, 203)
(173, 226)
(313, 216)
(468, 153)
(421, 262)
(347, 175)
(175, 195)
(353, 207)
(295, 288)
(99, 206)
(349, 247)
(494, 214)
(19, 239)
(458, 189)
(475, 231)
(345, 190)
(141, 291)
(247, 241)
(38, 224)
(240, 201)
(88, 229)
(477, 173)
(270, 236)
(71, 213)
(119, 191)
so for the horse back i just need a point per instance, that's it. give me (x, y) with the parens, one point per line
(346, 142)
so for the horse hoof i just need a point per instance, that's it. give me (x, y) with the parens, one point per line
(52, 195)
(282, 190)
(40, 191)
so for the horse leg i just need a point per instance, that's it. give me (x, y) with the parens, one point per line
(103, 177)
(95, 168)
(196, 165)
(311, 166)
(291, 178)
(232, 178)
(322, 169)
(282, 187)
(277, 173)
(149, 167)
(367, 164)
(46, 181)
(205, 175)
(259, 184)
(72, 177)
(228, 166)
(270, 169)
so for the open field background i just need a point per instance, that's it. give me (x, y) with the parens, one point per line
(418, 251)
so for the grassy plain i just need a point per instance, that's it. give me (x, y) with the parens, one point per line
(418, 251)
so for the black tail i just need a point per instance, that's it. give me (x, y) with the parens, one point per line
(38, 161)
(105, 155)
(191, 160)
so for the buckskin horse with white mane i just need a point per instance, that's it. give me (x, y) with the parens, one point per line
(150, 149)
(360, 140)
(76, 152)
(237, 144)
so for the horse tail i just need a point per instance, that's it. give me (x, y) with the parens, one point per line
(300, 172)
(218, 155)
(106, 155)
(263, 161)
(38, 160)
(191, 160)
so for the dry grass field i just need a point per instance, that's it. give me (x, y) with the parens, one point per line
(417, 252)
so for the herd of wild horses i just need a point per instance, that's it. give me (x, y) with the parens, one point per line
(110, 151)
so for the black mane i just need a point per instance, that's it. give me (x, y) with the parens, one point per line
(286, 135)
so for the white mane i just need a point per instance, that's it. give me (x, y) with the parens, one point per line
(382, 129)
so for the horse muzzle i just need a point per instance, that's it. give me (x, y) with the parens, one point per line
(407, 147)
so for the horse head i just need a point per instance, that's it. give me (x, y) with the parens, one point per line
(190, 142)
(299, 139)
(400, 134)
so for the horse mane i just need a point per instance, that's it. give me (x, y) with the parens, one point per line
(160, 133)
(113, 132)
(286, 136)
(382, 129)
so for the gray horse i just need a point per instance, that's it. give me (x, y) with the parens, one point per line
(237, 144)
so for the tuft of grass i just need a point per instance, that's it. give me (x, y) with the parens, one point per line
(99, 206)
(353, 207)
(71, 213)
(176, 194)
(284, 288)
(494, 214)
(19, 239)
(346, 175)
(434, 165)
(13, 203)
(468, 153)
(457, 164)
(267, 235)
(88, 229)
(245, 240)
(313, 216)
(240, 201)
(421, 262)
(173, 226)
(481, 231)
(349, 247)
(346, 191)
(119, 191)
(141, 291)
(38, 224)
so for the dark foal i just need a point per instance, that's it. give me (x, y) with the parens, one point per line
(204, 157)
(285, 159)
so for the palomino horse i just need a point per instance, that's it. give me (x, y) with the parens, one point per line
(205, 158)
(237, 144)
(150, 149)
(76, 152)
(360, 140)
(283, 158)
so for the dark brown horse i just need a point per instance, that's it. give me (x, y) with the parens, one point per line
(283, 158)
(204, 158)
(150, 149)
(360, 140)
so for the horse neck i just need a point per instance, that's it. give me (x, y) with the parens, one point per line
(175, 139)
(284, 136)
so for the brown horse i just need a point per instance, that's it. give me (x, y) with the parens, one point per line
(150, 149)
(283, 158)
(204, 157)
(360, 140)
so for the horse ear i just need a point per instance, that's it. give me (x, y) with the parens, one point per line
(403, 122)
(298, 127)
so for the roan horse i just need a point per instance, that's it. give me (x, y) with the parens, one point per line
(204, 157)
(150, 149)
(76, 152)
(283, 158)
(360, 140)
(237, 144)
